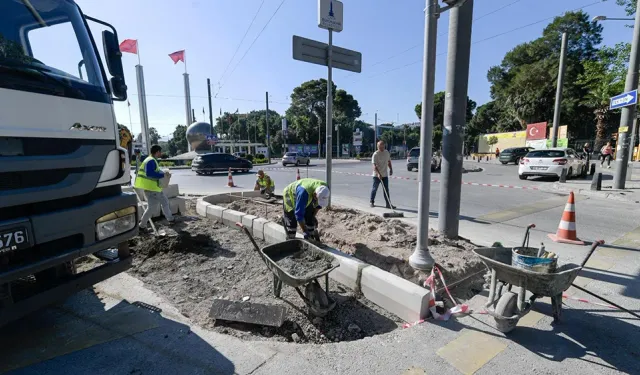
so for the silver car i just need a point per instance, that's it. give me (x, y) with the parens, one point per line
(414, 155)
(295, 158)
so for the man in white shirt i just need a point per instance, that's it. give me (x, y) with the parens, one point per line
(382, 169)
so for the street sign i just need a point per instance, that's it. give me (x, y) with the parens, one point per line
(330, 15)
(624, 99)
(212, 140)
(357, 139)
(315, 52)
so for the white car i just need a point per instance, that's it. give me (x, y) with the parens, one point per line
(295, 158)
(551, 162)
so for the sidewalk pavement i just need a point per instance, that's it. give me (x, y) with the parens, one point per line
(631, 192)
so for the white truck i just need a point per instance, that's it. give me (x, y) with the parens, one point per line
(61, 164)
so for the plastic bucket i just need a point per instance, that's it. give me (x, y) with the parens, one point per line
(526, 258)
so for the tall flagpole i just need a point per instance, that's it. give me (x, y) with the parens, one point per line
(142, 102)
(187, 93)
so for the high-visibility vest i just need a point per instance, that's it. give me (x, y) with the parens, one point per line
(263, 181)
(289, 192)
(145, 183)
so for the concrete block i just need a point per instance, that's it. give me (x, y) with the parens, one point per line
(231, 217)
(171, 191)
(215, 212)
(258, 227)
(350, 271)
(201, 207)
(403, 298)
(182, 204)
(274, 233)
(247, 221)
(177, 205)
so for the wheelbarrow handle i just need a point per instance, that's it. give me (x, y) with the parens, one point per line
(593, 248)
(246, 231)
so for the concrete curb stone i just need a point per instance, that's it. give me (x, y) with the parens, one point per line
(215, 212)
(258, 227)
(247, 221)
(231, 217)
(201, 207)
(614, 195)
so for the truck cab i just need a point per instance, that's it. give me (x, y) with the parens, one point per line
(61, 164)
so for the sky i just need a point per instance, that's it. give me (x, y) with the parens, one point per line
(389, 35)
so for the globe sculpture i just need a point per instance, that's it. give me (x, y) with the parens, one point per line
(197, 134)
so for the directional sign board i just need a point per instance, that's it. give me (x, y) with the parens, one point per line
(624, 99)
(315, 52)
(212, 140)
(330, 15)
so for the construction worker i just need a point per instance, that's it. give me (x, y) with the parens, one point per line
(264, 183)
(148, 179)
(301, 201)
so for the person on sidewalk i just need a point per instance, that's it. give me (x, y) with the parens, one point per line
(301, 201)
(264, 183)
(148, 179)
(382, 169)
(586, 150)
(606, 153)
(497, 153)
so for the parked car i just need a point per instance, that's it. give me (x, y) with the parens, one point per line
(551, 162)
(219, 162)
(414, 155)
(296, 158)
(513, 155)
(240, 155)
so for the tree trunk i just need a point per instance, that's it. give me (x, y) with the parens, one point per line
(600, 129)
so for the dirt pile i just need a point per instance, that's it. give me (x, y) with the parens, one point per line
(386, 244)
(200, 260)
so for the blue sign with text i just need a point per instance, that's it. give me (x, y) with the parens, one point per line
(624, 99)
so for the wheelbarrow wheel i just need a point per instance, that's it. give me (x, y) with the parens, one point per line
(318, 299)
(507, 307)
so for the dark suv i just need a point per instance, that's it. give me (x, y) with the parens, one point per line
(211, 163)
(513, 155)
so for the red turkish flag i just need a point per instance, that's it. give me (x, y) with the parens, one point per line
(129, 45)
(177, 56)
(536, 131)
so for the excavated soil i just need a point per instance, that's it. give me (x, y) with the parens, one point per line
(387, 244)
(200, 260)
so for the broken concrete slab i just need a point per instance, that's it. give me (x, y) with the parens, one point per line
(248, 312)
(401, 297)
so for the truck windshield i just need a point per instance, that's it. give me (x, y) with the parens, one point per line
(45, 48)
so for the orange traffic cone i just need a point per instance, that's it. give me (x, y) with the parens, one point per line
(298, 174)
(567, 228)
(230, 183)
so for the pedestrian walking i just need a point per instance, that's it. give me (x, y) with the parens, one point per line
(586, 150)
(382, 169)
(301, 201)
(606, 153)
(497, 153)
(148, 179)
(264, 183)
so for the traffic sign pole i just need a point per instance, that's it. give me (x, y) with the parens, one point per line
(329, 116)
(628, 112)
(558, 105)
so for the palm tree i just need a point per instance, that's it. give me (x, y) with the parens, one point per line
(598, 98)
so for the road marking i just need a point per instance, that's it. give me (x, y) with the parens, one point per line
(528, 209)
(471, 350)
(407, 178)
(77, 333)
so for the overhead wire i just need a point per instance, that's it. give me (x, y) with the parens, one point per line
(206, 97)
(482, 40)
(251, 45)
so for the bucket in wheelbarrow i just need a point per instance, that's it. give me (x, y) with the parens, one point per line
(527, 258)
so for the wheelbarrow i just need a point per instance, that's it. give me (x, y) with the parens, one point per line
(508, 308)
(317, 300)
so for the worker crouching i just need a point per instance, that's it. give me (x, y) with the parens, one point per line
(301, 201)
(265, 184)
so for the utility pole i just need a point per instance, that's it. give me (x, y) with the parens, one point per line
(421, 259)
(628, 112)
(460, 21)
(556, 111)
(375, 131)
(632, 142)
(267, 121)
(210, 108)
(338, 141)
(329, 106)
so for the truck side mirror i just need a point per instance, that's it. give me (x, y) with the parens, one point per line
(114, 63)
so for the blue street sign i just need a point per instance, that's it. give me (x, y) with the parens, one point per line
(624, 99)
(212, 138)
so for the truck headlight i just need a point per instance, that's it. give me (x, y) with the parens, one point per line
(115, 223)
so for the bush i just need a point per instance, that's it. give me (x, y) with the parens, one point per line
(167, 164)
(249, 157)
(259, 158)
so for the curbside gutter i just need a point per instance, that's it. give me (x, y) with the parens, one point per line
(617, 195)
(403, 298)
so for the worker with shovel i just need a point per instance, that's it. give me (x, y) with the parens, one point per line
(382, 169)
(265, 184)
(148, 179)
(301, 201)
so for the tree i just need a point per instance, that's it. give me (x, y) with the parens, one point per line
(492, 141)
(604, 78)
(438, 115)
(525, 82)
(178, 143)
(629, 6)
(154, 137)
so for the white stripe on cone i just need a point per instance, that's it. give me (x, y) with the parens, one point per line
(566, 225)
(570, 207)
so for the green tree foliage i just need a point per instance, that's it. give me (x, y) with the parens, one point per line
(438, 116)
(525, 82)
(629, 6)
(154, 137)
(178, 143)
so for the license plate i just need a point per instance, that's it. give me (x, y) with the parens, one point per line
(14, 239)
(539, 168)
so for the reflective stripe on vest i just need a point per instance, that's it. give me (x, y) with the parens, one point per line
(289, 192)
(145, 183)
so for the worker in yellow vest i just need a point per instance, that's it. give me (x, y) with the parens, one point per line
(264, 183)
(148, 179)
(301, 201)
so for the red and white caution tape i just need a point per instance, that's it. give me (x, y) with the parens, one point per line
(587, 301)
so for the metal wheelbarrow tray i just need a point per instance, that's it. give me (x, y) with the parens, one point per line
(508, 308)
(317, 299)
